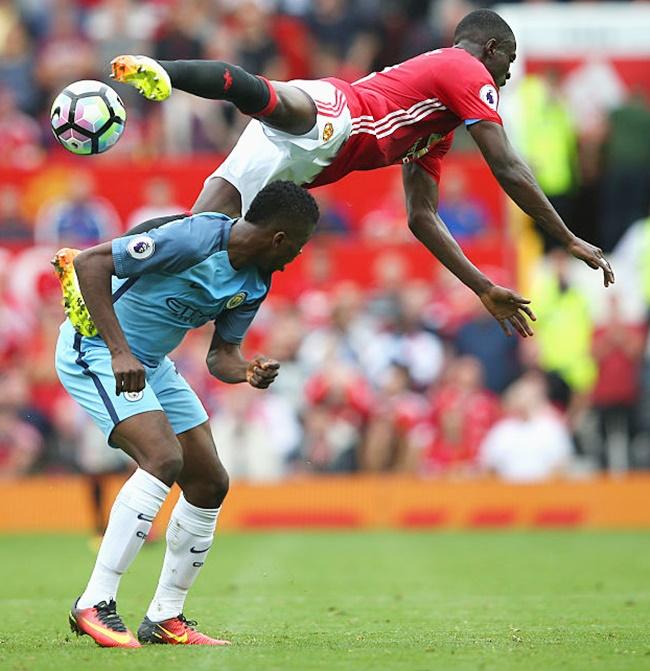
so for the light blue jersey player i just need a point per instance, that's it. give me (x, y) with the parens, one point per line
(143, 293)
(176, 278)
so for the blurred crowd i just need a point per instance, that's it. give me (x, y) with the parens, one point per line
(47, 44)
(579, 130)
(409, 376)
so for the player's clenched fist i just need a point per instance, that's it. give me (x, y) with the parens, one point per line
(129, 373)
(261, 372)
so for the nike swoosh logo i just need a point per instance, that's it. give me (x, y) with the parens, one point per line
(175, 637)
(198, 552)
(118, 637)
(146, 518)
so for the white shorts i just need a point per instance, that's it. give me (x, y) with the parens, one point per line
(263, 154)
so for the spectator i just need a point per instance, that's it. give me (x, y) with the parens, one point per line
(532, 443)
(79, 219)
(17, 66)
(464, 215)
(480, 336)
(256, 433)
(407, 341)
(21, 444)
(462, 412)
(158, 202)
(393, 441)
(618, 350)
(121, 27)
(343, 339)
(338, 404)
(343, 45)
(548, 141)
(561, 309)
(65, 55)
(20, 135)
(14, 228)
(626, 173)
(15, 320)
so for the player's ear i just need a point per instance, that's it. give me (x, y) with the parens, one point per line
(490, 46)
(278, 238)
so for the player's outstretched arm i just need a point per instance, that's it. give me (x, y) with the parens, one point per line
(94, 268)
(506, 306)
(519, 183)
(226, 363)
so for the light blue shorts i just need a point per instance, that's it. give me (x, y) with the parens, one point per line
(84, 368)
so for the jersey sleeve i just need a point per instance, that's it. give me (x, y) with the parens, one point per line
(231, 325)
(172, 248)
(470, 93)
(431, 162)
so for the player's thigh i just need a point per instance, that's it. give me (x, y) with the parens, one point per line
(218, 195)
(295, 112)
(204, 480)
(134, 422)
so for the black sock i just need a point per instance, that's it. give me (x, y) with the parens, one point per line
(217, 80)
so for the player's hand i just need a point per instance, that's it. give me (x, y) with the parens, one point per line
(261, 372)
(509, 309)
(129, 373)
(593, 256)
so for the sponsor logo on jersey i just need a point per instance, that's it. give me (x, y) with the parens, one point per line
(421, 147)
(488, 94)
(141, 247)
(328, 131)
(236, 300)
(188, 313)
(133, 396)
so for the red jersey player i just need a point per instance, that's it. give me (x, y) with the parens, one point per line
(314, 132)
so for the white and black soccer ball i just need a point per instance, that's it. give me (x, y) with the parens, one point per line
(88, 117)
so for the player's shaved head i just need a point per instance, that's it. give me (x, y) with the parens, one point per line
(482, 25)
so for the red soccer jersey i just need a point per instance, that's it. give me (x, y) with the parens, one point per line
(408, 112)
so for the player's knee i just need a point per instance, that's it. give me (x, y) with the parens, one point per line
(213, 489)
(218, 487)
(166, 466)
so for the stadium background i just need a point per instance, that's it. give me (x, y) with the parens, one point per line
(393, 377)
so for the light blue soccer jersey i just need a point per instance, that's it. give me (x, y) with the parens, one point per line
(178, 277)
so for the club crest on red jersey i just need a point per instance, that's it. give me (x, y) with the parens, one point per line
(328, 131)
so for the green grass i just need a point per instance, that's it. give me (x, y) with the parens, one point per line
(362, 601)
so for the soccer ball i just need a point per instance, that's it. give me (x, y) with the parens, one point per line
(88, 117)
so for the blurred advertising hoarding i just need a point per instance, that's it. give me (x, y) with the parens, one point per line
(605, 46)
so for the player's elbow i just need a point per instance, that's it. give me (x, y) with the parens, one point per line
(419, 222)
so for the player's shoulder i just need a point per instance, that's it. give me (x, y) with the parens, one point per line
(205, 228)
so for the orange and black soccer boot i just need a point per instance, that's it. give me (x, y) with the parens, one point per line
(103, 625)
(73, 303)
(175, 631)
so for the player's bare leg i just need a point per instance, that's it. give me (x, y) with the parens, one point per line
(149, 439)
(204, 482)
(277, 104)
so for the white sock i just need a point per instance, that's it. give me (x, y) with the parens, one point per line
(135, 508)
(189, 536)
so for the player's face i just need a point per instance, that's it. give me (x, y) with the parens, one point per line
(285, 249)
(499, 59)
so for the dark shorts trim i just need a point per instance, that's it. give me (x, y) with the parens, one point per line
(98, 384)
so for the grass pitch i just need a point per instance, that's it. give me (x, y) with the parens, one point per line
(354, 601)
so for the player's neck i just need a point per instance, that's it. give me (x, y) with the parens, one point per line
(470, 47)
(242, 244)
